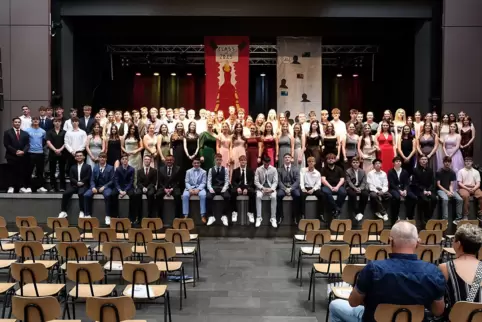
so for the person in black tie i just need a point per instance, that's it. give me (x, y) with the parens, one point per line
(45, 123)
(242, 182)
(124, 186)
(423, 186)
(168, 184)
(399, 184)
(146, 184)
(17, 143)
(87, 122)
(79, 183)
(288, 185)
(101, 182)
(218, 184)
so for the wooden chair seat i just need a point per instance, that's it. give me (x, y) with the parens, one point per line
(300, 237)
(8, 247)
(357, 251)
(193, 236)
(173, 266)
(62, 321)
(310, 250)
(101, 290)
(373, 237)
(139, 249)
(342, 292)
(15, 320)
(122, 236)
(87, 236)
(157, 291)
(158, 236)
(43, 289)
(117, 265)
(47, 263)
(5, 263)
(336, 237)
(449, 250)
(48, 247)
(12, 233)
(334, 268)
(187, 250)
(5, 287)
(64, 265)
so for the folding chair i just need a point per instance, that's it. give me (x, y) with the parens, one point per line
(30, 277)
(356, 239)
(75, 252)
(139, 237)
(317, 238)
(162, 254)
(102, 235)
(143, 275)
(7, 247)
(428, 253)
(32, 250)
(303, 226)
(26, 221)
(3, 223)
(116, 254)
(399, 313)
(37, 309)
(377, 252)
(339, 226)
(182, 237)
(7, 290)
(437, 224)
(466, 311)
(121, 227)
(86, 226)
(374, 228)
(155, 225)
(385, 236)
(53, 223)
(35, 233)
(431, 237)
(111, 309)
(188, 223)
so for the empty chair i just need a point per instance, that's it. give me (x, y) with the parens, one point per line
(338, 227)
(437, 224)
(429, 253)
(6, 290)
(188, 223)
(35, 233)
(30, 277)
(116, 254)
(377, 252)
(4, 246)
(399, 313)
(431, 237)
(67, 234)
(26, 221)
(466, 311)
(33, 250)
(385, 236)
(356, 239)
(3, 224)
(121, 227)
(140, 237)
(76, 252)
(316, 238)
(374, 228)
(155, 225)
(300, 237)
(102, 235)
(182, 238)
(36, 309)
(111, 309)
(86, 226)
(53, 223)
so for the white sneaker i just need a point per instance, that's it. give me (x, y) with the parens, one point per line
(28, 190)
(385, 217)
(224, 219)
(63, 214)
(23, 190)
(81, 214)
(379, 215)
(234, 216)
(87, 216)
(10, 190)
(211, 220)
(273, 223)
(359, 217)
(258, 221)
(251, 217)
(41, 189)
(107, 220)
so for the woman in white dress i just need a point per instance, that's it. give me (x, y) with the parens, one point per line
(444, 129)
(132, 145)
(94, 145)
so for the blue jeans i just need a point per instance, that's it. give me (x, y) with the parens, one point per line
(341, 311)
(340, 199)
(185, 202)
(445, 204)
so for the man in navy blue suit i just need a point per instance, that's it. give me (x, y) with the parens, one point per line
(16, 143)
(124, 186)
(101, 182)
(87, 122)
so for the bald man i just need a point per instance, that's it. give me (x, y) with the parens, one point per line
(415, 282)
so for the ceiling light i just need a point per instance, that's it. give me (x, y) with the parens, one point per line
(355, 75)
(189, 74)
(262, 75)
(339, 75)
(173, 74)
(138, 74)
(156, 74)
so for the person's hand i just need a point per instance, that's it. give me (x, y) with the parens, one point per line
(101, 189)
(144, 190)
(73, 153)
(450, 194)
(211, 190)
(79, 184)
(94, 190)
(337, 158)
(403, 193)
(239, 191)
(122, 194)
(57, 152)
(191, 192)
(245, 191)
(196, 192)
(167, 191)
(310, 192)
(201, 159)
(357, 190)
(276, 158)
(346, 159)
(303, 190)
(300, 160)
(259, 160)
(334, 189)
(379, 192)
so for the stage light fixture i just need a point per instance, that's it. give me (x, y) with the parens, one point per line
(339, 75)
(355, 75)
(138, 74)
(173, 74)
(189, 74)
(156, 74)
(262, 74)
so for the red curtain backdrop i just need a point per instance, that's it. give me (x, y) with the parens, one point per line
(146, 91)
(347, 94)
(222, 89)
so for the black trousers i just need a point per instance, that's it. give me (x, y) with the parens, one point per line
(295, 206)
(151, 200)
(410, 202)
(18, 172)
(226, 203)
(67, 195)
(362, 203)
(251, 202)
(37, 163)
(319, 204)
(53, 161)
(426, 205)
(376, 201)
(133, 204)
(176, 193)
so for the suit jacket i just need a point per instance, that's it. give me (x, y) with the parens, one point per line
(85, 174)
(12, 145)
(398, 184)
(47, 125)
(293, 177)
(259, 177)
(148, 181)
(351, 179)
(165, 182)
(87, 127)
(124, 178)
(237, 180)
(105, 179)
(196, 180)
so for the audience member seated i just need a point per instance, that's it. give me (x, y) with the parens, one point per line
(218, 184)
(168, 184)
(465, 272)
(266, 181)
(356, 180)
(446, 179)
(79, 174)
(16, 143)
(146, 185)
(399, 184)
(242, 182)
(402, 280)
(101, 182)
(378, 185)
(423, 187)
(310, 184)
(288, 185)
(57, 155)
(124, 186)
(195, 184)
(469, 185)
(333, 179)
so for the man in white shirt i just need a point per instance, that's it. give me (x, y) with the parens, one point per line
(170, 121)
(469, 185)
(74, 141)
(86, 123)
(378, 185)
(68, 124)
(202, 122)
(26, 119)
(310, 184)
(305, 126)
(339, 125)
(154, 120)
(121, 126)
(266, 181)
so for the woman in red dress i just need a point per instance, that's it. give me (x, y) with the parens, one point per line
(252, 152)
(386, 146)
(270, 144)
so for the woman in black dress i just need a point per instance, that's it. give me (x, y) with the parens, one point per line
(406, 148)
(113, 147)
(313, 144)
(331, 144)
(177, 146)
(191, 144)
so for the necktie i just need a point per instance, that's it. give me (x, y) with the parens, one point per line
(147, 171)
(169, 172)
(217, 170)
(244, 178)
(18, 134)
(101, 170)
(42, 123)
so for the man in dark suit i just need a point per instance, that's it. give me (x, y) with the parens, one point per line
(79, 174)
(124, 186)
(288, 185)
(168, 182)
(16, 143)
(242, 182)
(101, 182)
(45, 123)
(356, 181)
(218, 184)
(399, 184)
(146, 184)
(87, 122)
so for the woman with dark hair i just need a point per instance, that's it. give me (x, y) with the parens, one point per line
(452, 118)
(238, 145)
(407, 148)
(387, 147)
(270, 144)
(207, 146)
(254, 145)
(191, 143)
(451, 148)
(95, 145)
(467, 132)
(163, 143)
(411, 125)
(177, 146)
(113, 147)
(331, 143)
(387, 117)
(132, 146)
(314, 141)
(367, 148)
(427, 144)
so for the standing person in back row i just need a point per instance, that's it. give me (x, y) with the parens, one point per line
(36, 155)
(218, 184)
(266, 181)
(57, 155)
(16, 143)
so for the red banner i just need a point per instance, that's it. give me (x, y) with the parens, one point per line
(227, 73)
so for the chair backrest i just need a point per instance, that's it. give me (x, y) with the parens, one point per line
(377, 252)
(431, 237)
(161, 251)
(110, 309)
(103, 235)
(72, 250)
(88, 224)
(67, 234)
(177, 236)
(309, 224)
(437, 224)
(339, 226)
(350, 273)
(385, 236)
(35, 309)
(116, 251)
(466, 311)
(29, 273)
(140, 236)
(318, 237)
(412, 221)
(3, 232)
(428, 253)
(373, 226)
(28, 249)
(154, 224)
(3, 222)
(84, 273)
(335, 253)
(474, 222)
(183, 223)
(32, 233)
(120, 225)
(399, 313)
(355, 237)
(54, 223)
(140, 273)
(28, 221)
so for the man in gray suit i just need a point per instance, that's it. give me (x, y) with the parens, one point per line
(356, 180)
(288, 185)
(266, 181)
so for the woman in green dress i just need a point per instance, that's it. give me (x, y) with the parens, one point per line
(207, 146)
(163, 143)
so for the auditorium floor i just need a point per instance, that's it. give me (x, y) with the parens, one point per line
(243, 280)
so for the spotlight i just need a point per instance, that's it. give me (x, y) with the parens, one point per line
(355, 75)
(173, 74)
(262, 75)
(156, 74)
(138, 74)
(339, 75)
(189, 74)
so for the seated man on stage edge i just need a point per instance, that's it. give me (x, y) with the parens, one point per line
(195, 185)
(218, 184)
(356, 180)
(266, 181)
(168, 184)
(378, 185)
(310, 184)
(333, 180)
(242, 182)
(146, 185)
(288, 185)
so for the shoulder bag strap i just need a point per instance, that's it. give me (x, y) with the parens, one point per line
(474, 288)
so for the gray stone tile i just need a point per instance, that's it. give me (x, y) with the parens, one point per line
(235, 302)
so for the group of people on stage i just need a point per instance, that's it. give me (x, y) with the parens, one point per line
(323, 154)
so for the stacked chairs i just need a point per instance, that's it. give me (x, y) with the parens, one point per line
(304, 226)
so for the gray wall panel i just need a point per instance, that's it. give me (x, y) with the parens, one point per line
(463, 13)
(4, 12)
(30, 12)
(5, 46)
